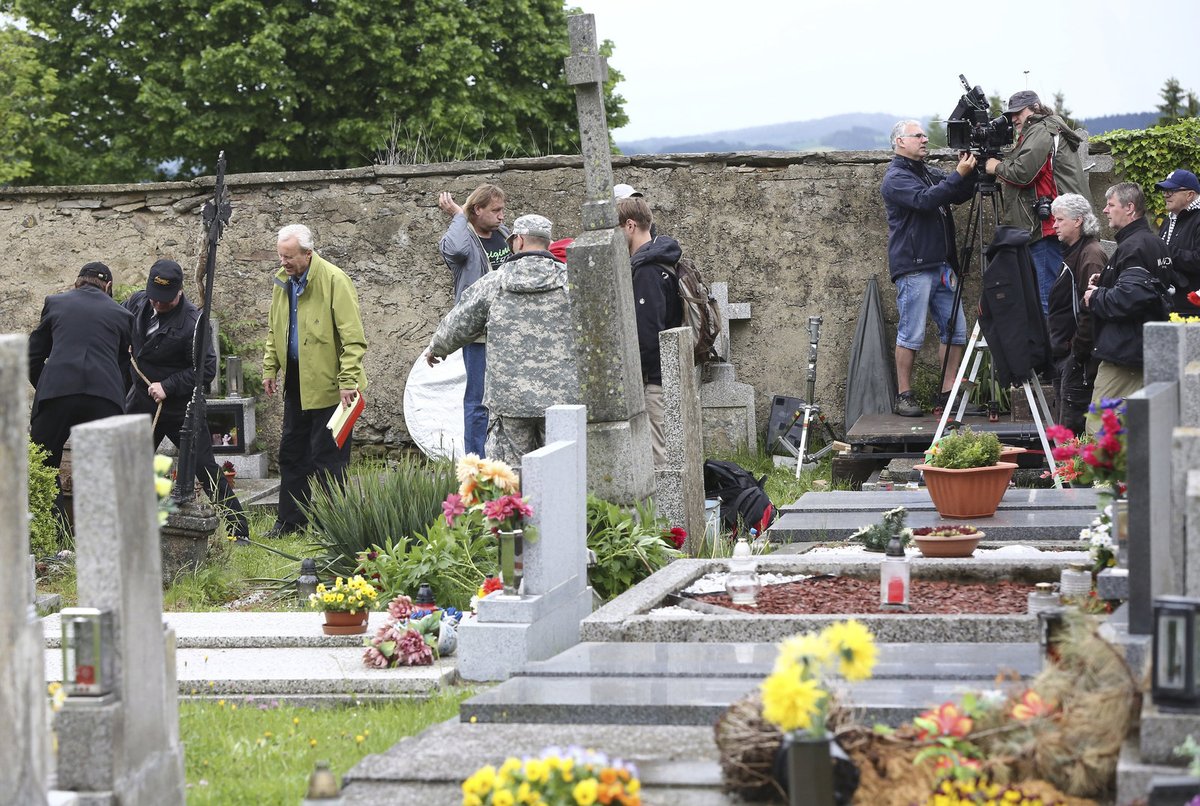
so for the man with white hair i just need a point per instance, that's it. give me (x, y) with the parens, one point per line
(921, 255)
(315, 335)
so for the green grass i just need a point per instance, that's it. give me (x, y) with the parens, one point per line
(259, 753)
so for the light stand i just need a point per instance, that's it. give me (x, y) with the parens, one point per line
(810, 407)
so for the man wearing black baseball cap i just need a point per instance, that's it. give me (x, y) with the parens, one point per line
(163, 332)
(78, 359)
(1180, 231)
(1045, 163)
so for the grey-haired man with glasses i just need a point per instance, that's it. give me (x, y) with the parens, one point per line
(921, 254)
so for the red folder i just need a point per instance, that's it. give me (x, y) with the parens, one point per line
(342, 421)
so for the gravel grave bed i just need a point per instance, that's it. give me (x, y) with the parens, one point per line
(849, 595)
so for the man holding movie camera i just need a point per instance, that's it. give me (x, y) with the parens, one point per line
(1046, 162)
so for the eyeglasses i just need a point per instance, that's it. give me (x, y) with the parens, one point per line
(1169, 193)
(921, 135)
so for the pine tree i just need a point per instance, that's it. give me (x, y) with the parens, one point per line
(1060, 109)
(1172, 107)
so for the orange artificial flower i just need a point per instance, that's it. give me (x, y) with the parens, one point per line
(947, 720)
(1031, 706)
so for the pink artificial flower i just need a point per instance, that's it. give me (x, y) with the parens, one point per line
(374, 659)
(453, 507)
(506, 507)
(400, 608)
(1064, 452)
(1060, 433)
(411, 650)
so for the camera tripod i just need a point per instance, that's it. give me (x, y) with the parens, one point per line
(809, 409)
(977, 344)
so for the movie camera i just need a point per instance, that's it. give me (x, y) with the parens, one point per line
(970, 129)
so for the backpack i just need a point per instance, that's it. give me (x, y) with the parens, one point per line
(700, 311)
(742, 496)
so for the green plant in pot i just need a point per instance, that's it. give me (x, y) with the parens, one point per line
(875, 536)
(963, 474)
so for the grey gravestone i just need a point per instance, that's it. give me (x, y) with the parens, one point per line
(24, 739)
(620, 467)
(679, 492)
(125, 750)
(510, 631)
(727, 407)
(1155, 554)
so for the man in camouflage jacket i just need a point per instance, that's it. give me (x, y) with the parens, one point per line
(524, 309)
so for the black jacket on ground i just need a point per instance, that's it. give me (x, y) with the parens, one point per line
(1184, 247)
(1010, 309)
(1069, 322)
(166, 355)
(1131, 292)
(656, 302)
(80, 347)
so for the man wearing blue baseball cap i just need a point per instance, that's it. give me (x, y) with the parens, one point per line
(1180, 231)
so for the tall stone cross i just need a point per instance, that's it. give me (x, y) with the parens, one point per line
(620, 465)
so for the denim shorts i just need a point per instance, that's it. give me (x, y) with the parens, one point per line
(919, 293)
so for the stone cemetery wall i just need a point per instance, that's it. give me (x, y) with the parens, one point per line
(795, 235)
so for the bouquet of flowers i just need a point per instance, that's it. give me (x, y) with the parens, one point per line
(490, 585)
(489, 487)
(558, 777)
(1101, 459)
(795, 696)
(409, 637)
(346, 596)
(1099, 538)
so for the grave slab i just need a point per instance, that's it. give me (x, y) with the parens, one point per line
(1015, 498)
(1156, 546)
(676, 764)
(1007, 525)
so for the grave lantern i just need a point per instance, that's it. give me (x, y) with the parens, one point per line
(894, 577)
(1052, 624)
(233, 376)
(1173, 664)
(87, 647)
(306, 582)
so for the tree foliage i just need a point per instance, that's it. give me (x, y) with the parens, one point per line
(1145, 156)
(1176, 103)
(298, 84)
(26, 93)
(1060, 109)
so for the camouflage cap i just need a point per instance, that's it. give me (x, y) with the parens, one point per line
(536, 225)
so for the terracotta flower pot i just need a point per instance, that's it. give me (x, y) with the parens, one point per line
(949, 546)
(972, 492)
(342, 623)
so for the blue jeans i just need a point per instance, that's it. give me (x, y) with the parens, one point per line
(1047, 263)
(475, 414)
(920, 293)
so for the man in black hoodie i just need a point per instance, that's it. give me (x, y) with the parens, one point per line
(164, 327)
(1131, 291)
(656, 304)
(1180, 231)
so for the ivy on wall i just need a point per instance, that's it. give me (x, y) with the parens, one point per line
(1147, 156)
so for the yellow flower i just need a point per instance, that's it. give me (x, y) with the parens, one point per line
(471, 799)
(536, 770)
(510, 766)
(502, 797)
(162, 465)
(855, 649)
(585, 792)
(359, 738)
(267, 734)
(805, 649)
(482, 781)
(312, 742)
(162, 487)
(468, 467)
(499, 474)
(790, 702)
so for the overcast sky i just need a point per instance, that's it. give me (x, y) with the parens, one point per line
(698, 66)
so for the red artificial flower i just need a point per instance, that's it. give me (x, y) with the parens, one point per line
(492, 584)
(947, 720)
(412, 650)
(676, 536)
(1194, 298)
(1060, 433)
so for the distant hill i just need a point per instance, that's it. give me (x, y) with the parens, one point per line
(855, 132)
(1106, 123)
(839, 132)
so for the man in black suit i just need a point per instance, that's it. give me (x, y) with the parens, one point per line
(78, 359)
(164, 327)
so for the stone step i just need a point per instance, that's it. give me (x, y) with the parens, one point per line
(919, 500)
(948, 661)
(279, 655)
(679, 700)
(1006, 526)
(677, 765)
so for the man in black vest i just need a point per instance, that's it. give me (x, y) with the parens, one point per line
(163, 332)
(78, 359)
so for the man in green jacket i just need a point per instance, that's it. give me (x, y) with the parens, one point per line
(1045, 163)
(315, 335)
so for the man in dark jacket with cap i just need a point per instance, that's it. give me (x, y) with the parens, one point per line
(78, 359)
(1131, 291)
(1180, 231)
(1046, 162)
(164, 329)
(657, 306)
